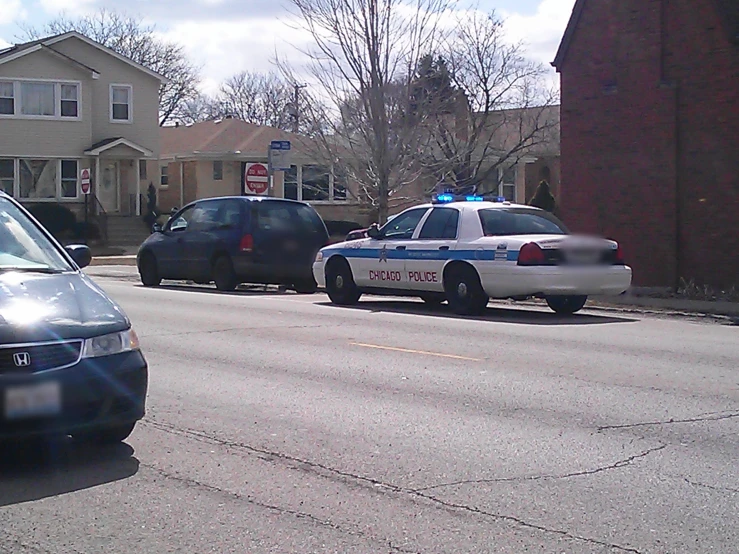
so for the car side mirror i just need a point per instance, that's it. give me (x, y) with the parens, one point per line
(81, 254)
(373, 231)
(156, 228)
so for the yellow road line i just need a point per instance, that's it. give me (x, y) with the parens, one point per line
(409, 351)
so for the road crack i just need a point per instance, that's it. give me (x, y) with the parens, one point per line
(697, 419)
(617, 465)
(382, 486)
(711, 487)
(279, 509)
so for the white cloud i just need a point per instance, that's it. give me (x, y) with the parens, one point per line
(74, 7)
(542, 31)
(224, 48)
(11, 11)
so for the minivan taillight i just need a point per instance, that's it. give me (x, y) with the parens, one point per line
(247, 243)
(619, 257)
(531, 254)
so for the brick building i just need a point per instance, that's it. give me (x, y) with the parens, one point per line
(650, 134)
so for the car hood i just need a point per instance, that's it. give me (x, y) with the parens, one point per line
(39, 307)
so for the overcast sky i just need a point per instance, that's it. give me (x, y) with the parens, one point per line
(227, 36)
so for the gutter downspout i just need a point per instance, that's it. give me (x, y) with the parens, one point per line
(182, 184)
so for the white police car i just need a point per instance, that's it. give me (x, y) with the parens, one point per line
(466, 250)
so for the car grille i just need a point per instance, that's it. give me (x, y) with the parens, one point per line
(32, 358)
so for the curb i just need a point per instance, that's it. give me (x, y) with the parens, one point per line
(113, 260)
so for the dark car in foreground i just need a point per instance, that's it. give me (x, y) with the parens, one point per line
(236, 239)
(70, 362)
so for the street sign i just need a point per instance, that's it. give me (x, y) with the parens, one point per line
(256, 178)
(279, 155)
(85, 181)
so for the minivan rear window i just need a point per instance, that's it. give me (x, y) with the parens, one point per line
(289, 217)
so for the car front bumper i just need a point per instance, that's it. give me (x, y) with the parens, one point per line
(95, 393)
(319, 274)
(557, 280)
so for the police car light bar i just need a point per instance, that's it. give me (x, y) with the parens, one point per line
(448, 197)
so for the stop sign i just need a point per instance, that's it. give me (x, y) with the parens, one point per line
(256, 178)
(85, 181)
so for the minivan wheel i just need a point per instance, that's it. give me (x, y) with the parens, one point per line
(148, 271)
(464, 291)
(224, 275)
(340, 284)
(110, 434)
(566, 305)
(308, 286)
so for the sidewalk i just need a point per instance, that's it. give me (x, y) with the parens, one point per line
(128, 259)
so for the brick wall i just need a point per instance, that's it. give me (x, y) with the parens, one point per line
(623, 167)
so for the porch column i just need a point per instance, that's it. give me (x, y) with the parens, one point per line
(137, 176)
(97, 181)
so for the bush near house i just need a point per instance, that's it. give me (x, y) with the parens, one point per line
(61, 222)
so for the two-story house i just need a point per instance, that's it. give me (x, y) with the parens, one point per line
(67, 103)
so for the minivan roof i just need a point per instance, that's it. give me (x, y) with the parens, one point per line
(249, 198)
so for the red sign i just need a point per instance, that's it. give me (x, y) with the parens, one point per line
(256, 178)
(85, 181)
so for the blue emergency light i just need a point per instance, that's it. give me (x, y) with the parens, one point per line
(449, 197)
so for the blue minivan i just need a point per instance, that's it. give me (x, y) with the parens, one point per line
(236, 239)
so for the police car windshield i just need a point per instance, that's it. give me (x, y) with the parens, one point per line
(519, 221)
(23, 247)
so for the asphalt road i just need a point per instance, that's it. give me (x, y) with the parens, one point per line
(279, 423)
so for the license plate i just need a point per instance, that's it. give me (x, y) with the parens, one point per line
(583, 257)
(41, 400)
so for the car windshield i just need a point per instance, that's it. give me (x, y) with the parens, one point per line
(520, 221)
(23, 247)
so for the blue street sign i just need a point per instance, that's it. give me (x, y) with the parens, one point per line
(279, 155)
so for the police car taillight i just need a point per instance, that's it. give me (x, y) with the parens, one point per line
(531, 254)
(247, 243)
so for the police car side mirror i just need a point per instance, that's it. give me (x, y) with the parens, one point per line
(374, 231)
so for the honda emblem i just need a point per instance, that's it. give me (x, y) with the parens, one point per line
(22, 359)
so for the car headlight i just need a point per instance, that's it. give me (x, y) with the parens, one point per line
(108, 345)
(319, 256)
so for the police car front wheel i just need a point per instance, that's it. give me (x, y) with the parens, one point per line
(464, 291)
(340, 284)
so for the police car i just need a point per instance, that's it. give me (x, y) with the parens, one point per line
(466, 250)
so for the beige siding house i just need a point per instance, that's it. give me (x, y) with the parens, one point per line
(211, 158)
(68, 103)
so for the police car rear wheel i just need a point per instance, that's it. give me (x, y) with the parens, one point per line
(340, 284)
(464, 291)
(566, 305)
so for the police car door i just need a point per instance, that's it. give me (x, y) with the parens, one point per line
(429, 250)
(382, 262)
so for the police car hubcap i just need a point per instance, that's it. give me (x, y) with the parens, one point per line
(462, 289)
(339, 281)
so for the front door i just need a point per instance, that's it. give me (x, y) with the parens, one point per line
(108, 192)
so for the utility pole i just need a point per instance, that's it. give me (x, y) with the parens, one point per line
(296, 107)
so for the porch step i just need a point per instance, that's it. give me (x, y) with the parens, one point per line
(126, 231)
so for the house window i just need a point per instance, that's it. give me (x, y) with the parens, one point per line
(507, 183)
(316, 183)
(120, 103)
(164, 176)
(70, 100)
(38, 99)
(218, 171)
(38, 178)
(7, 98)
(142, 170)
(69, 179)
(291, 183)
(7, 176)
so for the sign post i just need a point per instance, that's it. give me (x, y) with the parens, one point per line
(256, 178)
(279, 159)
(85, 189)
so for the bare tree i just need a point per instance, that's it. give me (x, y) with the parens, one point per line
(263, 99)
(495, 108)
(133, 38)
(364, 53)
